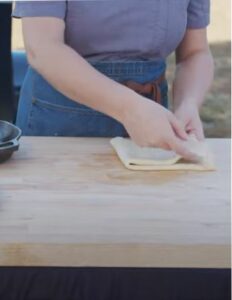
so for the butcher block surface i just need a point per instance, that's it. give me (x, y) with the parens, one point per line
(70, 202)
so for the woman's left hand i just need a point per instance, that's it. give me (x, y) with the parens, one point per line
(188, 114)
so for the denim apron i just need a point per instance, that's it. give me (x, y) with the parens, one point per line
(43, 111)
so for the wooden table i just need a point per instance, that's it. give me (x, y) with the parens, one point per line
(70, 202)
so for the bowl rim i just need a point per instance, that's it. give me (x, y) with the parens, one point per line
(14, 126)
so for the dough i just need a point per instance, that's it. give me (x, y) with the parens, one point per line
(137, 158)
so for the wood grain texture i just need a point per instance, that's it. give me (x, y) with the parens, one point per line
(70, 202)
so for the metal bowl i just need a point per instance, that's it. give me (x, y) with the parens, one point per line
(9, 140)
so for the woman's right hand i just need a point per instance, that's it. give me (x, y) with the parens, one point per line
(149, 124)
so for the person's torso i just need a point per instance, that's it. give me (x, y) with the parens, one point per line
(118, 29)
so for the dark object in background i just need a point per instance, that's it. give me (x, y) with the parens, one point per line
(6, 90)
(9, 140)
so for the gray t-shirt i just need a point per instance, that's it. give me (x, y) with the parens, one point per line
(122, 29)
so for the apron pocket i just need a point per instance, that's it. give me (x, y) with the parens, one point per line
(53, 114)
(48, 119)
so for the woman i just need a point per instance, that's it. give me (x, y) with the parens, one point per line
(96, 66)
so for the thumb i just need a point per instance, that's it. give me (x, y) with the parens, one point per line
(198, 133)
(178, 127)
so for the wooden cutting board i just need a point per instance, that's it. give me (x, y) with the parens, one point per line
(70, 202)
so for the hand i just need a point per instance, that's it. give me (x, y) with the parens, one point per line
(151, 125)
(188, 114)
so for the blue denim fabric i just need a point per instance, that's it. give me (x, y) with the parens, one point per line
(43, 111)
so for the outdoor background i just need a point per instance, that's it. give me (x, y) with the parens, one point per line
(215, 113)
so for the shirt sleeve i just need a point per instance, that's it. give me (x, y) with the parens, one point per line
(34, 8)
(198, 14)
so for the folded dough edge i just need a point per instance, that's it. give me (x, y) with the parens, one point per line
(123, 152)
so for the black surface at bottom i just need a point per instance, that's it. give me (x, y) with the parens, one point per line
(67, 283)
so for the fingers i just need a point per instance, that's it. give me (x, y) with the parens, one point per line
(177, 127)
(197, 130)
(199, 134)
(179, 147)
